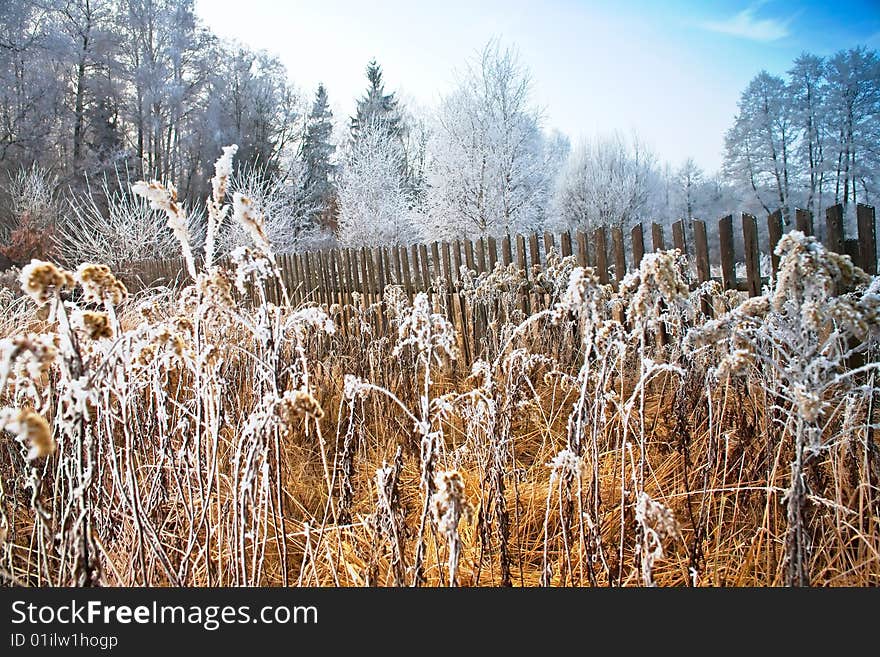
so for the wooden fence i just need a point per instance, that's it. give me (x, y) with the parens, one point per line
(331, 276)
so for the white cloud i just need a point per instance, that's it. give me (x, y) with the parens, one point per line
(747, 25)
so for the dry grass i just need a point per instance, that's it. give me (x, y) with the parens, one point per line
(205, 436)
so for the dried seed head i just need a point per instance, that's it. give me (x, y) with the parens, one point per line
(245, 212)
(100, 285)
(448, 503)
(30, 429)
(222, 171)
(40, 280)
(94, 325)
(296, 404)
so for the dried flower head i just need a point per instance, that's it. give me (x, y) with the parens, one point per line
(40, 280)
(30, 429)
(165, 199)
(100, 285)
(94, 325)
(298, 403)
(246, 213)
(448, 503)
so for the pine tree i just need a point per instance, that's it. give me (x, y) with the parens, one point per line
(376, 107)
(317, 151)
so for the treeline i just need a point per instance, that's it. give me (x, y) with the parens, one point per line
(97, 93)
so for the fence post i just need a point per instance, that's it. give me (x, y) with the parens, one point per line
(753, 257)
(481, 255)
(867, 238)
(804, 221)
(469, 255)
(407, 272)
(426, 274)
(548, 243)
(506, 252)
(678, 238)
(701, 256)
(619, 253)
(601, 254)
(583, 255)
(456, 262)
(657, 237)
(834, 232)
(534, 253)
(565, 243)
(418, 284)
(524, 305)
(774, 230)
(492, 248)
(638, 242)
(725, 240)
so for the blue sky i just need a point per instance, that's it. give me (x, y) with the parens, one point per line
(671, 71)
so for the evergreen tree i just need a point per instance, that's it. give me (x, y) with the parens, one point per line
(376, 107)
(317, 151)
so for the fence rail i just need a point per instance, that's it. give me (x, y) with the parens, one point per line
(332, 276)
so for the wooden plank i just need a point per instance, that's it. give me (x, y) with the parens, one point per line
(456, 262)
(418, 285)
(398, 265)
(446, 257)
(867, 238)
(657, 237)
(752, 255)
(774, 231)
(406, 272)
(524, 305)
(325, 280)
(583, 256)
(366, 276)
(435, 260)
(534, 253)
(379, 263)
(296, 290)
(347, 274)
(701, 251)
(601, 254)
(834, 228)
(423, 262)
(804, 221)
(521, 255)
(678, 238)
(372, 274)
(548, 243)
(387, 266)
(335, 287)
(481, 255)
(492, 248)
(619, 253)
(565, 243)
(309, 289)
(469, 255)
(638, 244)
(725, 240)
(506, 253)
(701, 256)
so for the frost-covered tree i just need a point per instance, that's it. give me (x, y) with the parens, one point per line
(759, 148)
(376, 109)
(375, 203)
(689, 179)
(853, 112)
(608, 181)
(808, 90)
(317, 153)
(491, 166)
